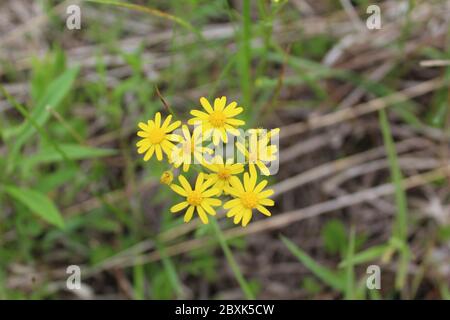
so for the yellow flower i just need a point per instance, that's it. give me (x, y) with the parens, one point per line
(218, 121)
(199, 198)
(222, 172)
(157, 137)
(247, 197)
(259, 151)
(189, 148)
(166, 177)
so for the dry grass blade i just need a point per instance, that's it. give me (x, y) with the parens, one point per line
(152, 11)
(361, 109)
(287, 218)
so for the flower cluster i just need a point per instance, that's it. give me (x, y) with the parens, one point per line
(234, 180)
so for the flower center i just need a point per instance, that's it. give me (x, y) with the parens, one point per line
(156, 135)
(224, 174)
(217, 119)
(249, 200)
(194, 198)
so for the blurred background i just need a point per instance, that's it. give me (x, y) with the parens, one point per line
(364, 148)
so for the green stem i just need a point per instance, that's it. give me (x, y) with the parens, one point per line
(246, 55)
(231, 261)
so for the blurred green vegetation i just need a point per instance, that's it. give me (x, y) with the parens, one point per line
(66, 197)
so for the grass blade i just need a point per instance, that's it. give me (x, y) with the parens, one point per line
(350, 272)
(152, 11)
(370, 254)
(245, 55)
(401, 224)
(38, 203)
(72, 152)
(231, 261)
(171, 271)
(52, 97)
(331, 278)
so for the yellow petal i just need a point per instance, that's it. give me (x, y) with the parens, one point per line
(199, 181)
(265, 194)
(143, 146)
(216, 137)
(167, 147)
(174, 137)
(267, 202)
(158, 152)
(158, 119)
(149, 153)
(232, 203)
(186, 133)
(235, 122)
(213, 202)
(232, 130)
(260, 186)
(247, 216)
(179, 190)
(202, 215)
(143, 126)
(247, 182)
(237, 218)
(173, 126)
(233, 112)
(219, 103)
(195, 121)
(210, 193)
(143, 134)
(253, 177)
(232, 191)
(206, 105)
(166, 122)
(230, 107)
(208, 183)
(236, 168)
(263, 168)
(184, 183)
(200, 114)
(263, 210)
(208, 208)
(189, 213)
(224, 135)
(180, 206)
(237, 184)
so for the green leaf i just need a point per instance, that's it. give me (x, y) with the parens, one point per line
(331, 278)
(334, 236)
(72, 151)
(44, 70)
(311, 285)
(437, 115)
(38, 203)
(365, 256)
(53, 96)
